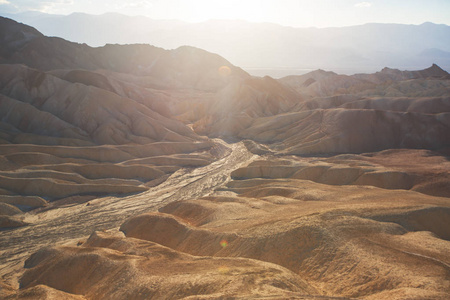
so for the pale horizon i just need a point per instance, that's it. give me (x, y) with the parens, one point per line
(298, 14)
(222, 20)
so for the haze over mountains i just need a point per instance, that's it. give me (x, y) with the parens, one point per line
(136, 172)
(264, 48)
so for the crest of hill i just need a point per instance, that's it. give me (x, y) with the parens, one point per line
(434, 72)
(75, 127)
(387, 82)
(13, 35)
(80, 112)
(184, 67)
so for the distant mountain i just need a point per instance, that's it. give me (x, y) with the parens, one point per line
(119, 119)
(352, 49)
(224, 185)
(201, 89)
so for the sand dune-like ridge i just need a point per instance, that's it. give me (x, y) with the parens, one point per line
(346, 242)
(32, 173)
(329, 245)
(428, 175)
(327, 187)
(143, 270)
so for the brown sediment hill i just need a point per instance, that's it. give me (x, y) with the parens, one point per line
(433, 71)
(331, 114)
(350, 241)
(388, 81)
(189, 67)
(349, 130)
(407, 110)
(235, 107)
(113, 82)
(183, 67)
(115, 267)
(92, 113)
(389, 169)
(82, 121)
(62, 139)
(359, 113)
(79, 123)
(275, 237)
(345, 226)
(60, 172)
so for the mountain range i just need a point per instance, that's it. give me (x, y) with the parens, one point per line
(136, 172)
(264, 48)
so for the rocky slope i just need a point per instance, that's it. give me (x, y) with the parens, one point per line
(318, 233)
(66, 133)
(113, 183)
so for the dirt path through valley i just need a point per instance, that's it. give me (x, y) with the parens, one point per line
(64, 224)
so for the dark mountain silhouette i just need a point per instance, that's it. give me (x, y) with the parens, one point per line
(23, 44)
(352, 49)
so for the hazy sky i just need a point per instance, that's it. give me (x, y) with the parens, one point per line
(297, 13)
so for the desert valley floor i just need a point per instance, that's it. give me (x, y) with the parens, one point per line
(135, 172)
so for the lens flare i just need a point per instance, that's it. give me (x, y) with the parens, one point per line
(223, 243)
(224, 71)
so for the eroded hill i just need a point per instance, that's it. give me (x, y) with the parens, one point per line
(137, 172)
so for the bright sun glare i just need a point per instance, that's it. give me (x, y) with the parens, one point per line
(252, 10)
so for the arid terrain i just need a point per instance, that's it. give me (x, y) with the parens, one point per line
(278, 50)
(135, 172)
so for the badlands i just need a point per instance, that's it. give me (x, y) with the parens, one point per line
(134, 172)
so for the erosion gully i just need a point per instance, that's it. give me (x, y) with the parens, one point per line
(77, 221)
